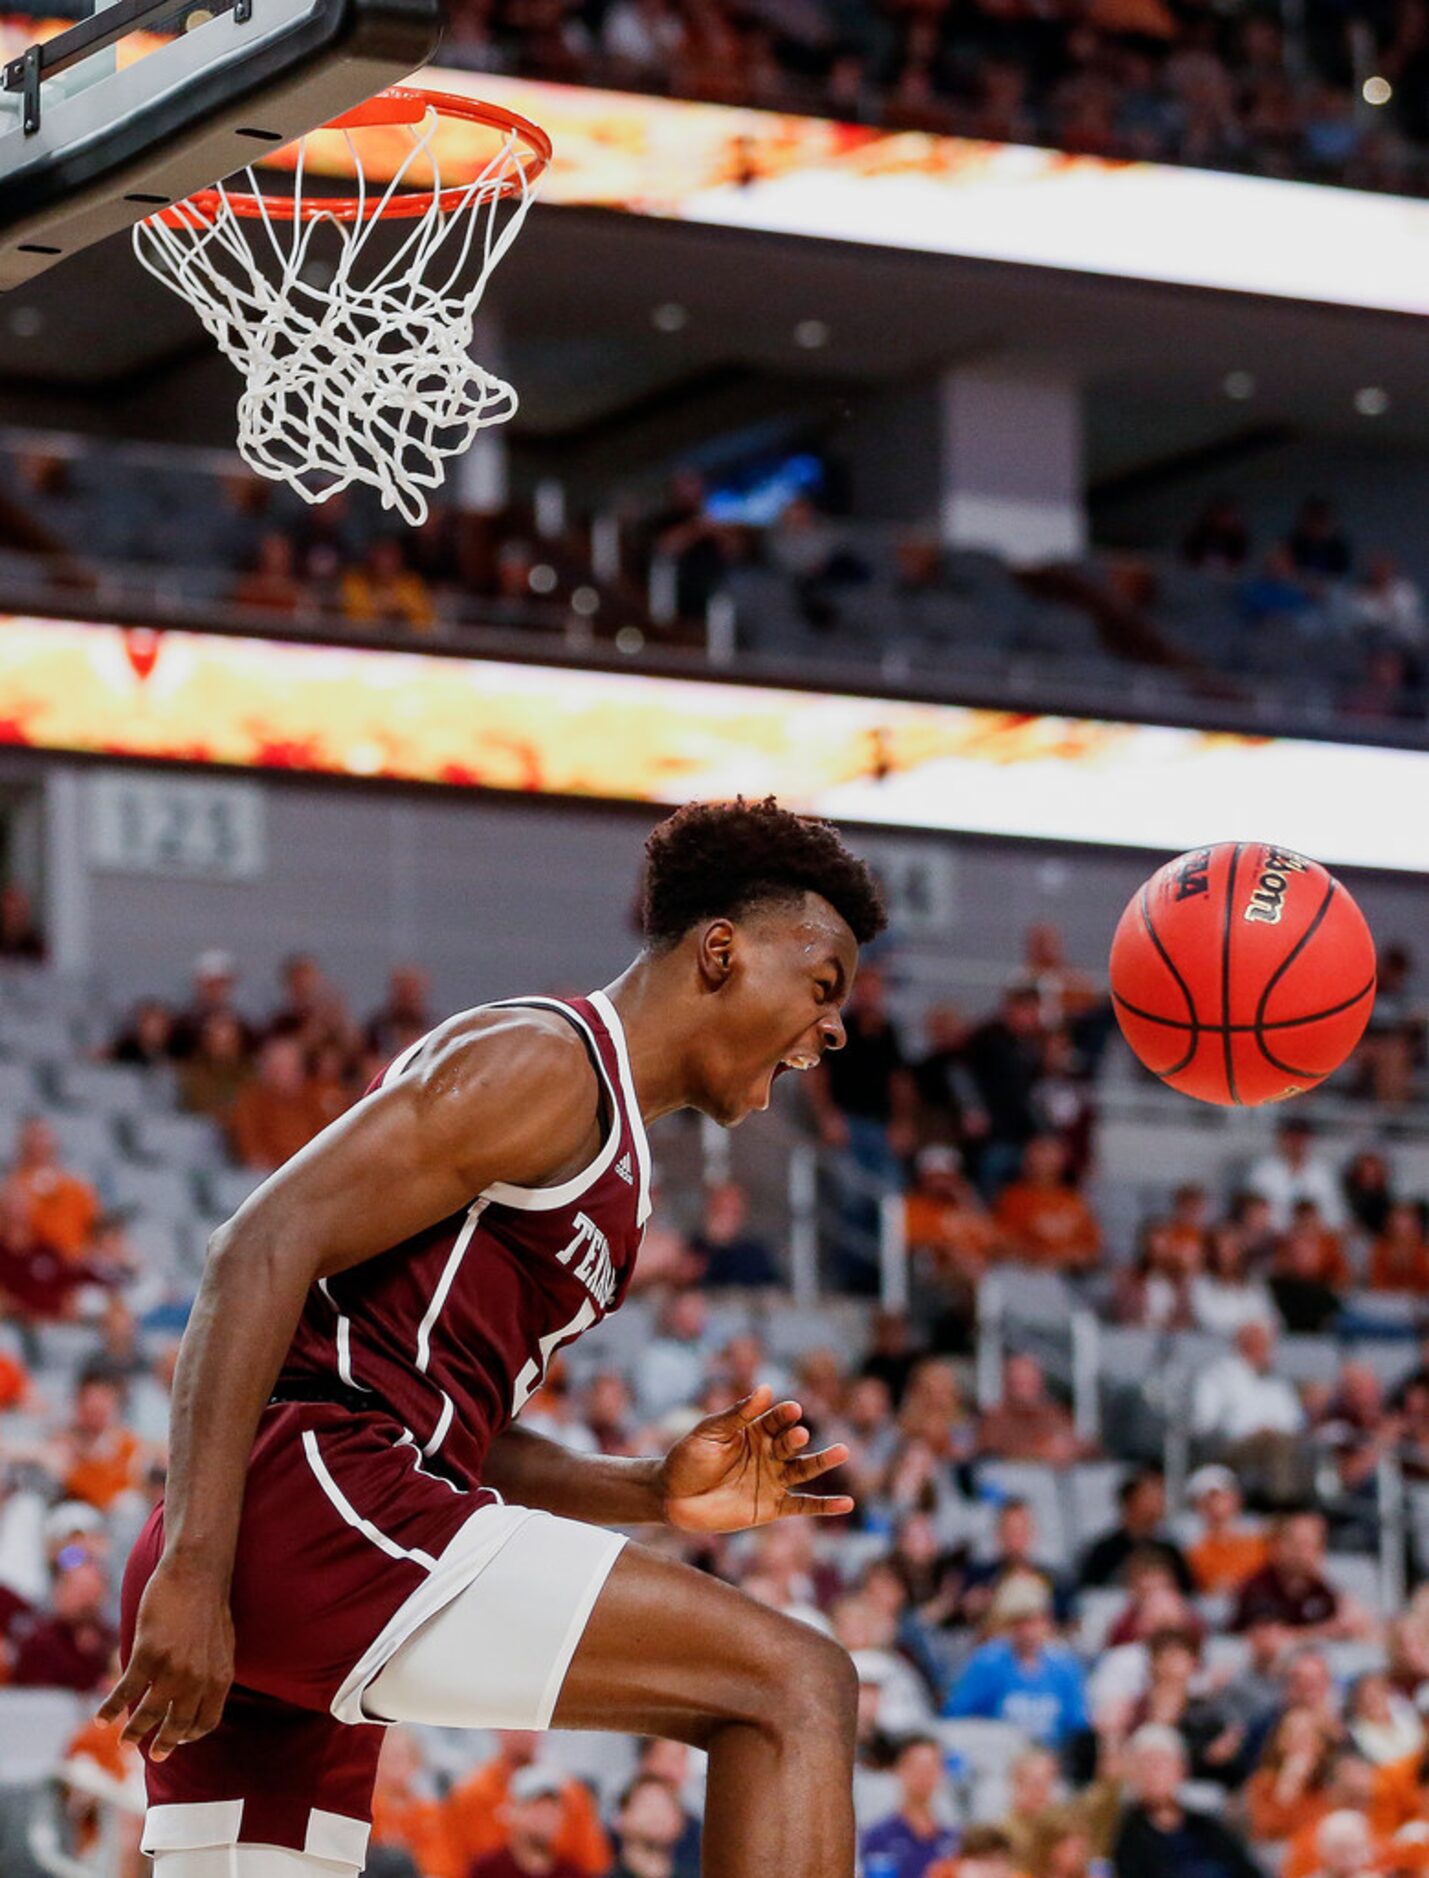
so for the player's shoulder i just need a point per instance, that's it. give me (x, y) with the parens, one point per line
(520, 1050)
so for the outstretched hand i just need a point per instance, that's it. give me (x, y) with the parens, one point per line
(744, 1466)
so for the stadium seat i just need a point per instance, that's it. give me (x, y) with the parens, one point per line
(112, 1088)
(1091, 1489)
(1358, 1577)
(164, 1192)
(35, 1727)
(225, 1189)
(181, 1140)
(1042, 1489)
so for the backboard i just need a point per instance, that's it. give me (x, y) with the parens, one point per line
(89, 144)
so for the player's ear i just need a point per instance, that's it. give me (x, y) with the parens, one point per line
(716, 953)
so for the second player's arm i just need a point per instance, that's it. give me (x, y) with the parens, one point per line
(513, 1099)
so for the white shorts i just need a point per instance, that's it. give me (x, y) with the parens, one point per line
(497, 1654)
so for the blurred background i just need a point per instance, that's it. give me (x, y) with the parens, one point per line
(1054, 367)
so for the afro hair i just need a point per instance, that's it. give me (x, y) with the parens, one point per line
(713, 860)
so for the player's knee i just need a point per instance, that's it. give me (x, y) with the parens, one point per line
(814, 1688)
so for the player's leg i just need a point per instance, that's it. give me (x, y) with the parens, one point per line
(647, 1645)
(671, 1651)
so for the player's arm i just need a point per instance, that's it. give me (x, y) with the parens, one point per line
(740, 1468)
(512, 1098)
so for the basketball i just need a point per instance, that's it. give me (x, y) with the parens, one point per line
(1242, 973)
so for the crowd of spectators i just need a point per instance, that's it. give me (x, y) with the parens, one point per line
(1164, 80)
(1196, 1679)
(1299, 624)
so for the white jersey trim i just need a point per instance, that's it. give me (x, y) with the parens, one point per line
(351, 1515)
(344, 1341)
(547, 1199)
(444, 1283)
(632, 1102)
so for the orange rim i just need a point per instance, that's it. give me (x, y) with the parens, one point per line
(399, 104)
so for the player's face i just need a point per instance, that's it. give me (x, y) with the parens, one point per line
(781, 977)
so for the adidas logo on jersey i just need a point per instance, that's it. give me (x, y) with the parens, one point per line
(622, 1167)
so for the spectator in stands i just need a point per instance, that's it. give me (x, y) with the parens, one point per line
(59, 1207)
(1276, 592)
(1004, 1058)
(1013, 1559)
(1140, 1529)
(893, 1353)
(1023, 1677)
(1356, 1431)
(531, 1831)
(1226, 1551)
(384, 592)
(670, 1368)
(407, 1811)
(1253, 1417)
(1299, 1282)
(70, 1645)
(96, 1458)
(312, 1010)
(217, 1067)
(477, 1809)
(1382, 692)
(1292, 1172)
(732, 1254)
(276, 1111)
(146, 1039)
(867, 1428)
(864, 1094)
(404, 1017)
(1158, 1834)
(1027, 1425)
(1317, 543)
(683, 531)
(215, 978)
(952, 1237)
(1155, 1290)
(20, 938)
(1042, 1219)
(1385, 599)
(37, 1284)
(1369, 1190)
(1179, 1695)
(1224, 1294)
(1399, 1257)
(272, 585)
(908, 1841)
(1218, 540)
(1292, 1587)
(650, 1826)
(669, 1761)
(1292, 1779)
(1034, 1803)
(1384, 1725)
(951, 1107)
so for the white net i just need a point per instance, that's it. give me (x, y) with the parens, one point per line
(354, 345)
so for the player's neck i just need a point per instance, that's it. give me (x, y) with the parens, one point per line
(647, 1000)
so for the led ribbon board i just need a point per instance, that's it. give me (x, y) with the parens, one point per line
(262, 704)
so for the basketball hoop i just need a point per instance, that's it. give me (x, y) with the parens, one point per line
(364, 375)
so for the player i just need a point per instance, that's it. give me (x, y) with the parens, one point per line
(354, 1532)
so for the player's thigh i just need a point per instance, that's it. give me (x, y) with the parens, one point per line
(669, 1650)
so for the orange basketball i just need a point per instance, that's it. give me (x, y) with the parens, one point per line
(1242, 973)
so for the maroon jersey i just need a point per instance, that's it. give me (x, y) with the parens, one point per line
(454, 1328)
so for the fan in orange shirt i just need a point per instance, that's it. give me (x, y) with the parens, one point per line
(1045, 1221)
(1226, 1553)
(1399, 1258)
(15, 1384)
(1388, 1797)
(62, 1208)
(96, 1458)
(106, 1777)
(945, 1219)
(475, 1810)
(404, 1814)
